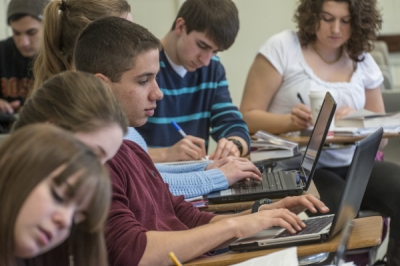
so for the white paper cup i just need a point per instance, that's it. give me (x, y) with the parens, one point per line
(316, 100)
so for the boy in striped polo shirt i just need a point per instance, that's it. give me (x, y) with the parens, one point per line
(195, 88)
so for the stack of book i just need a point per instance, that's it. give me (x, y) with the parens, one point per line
(364, 122)
(363, 118)
(268, 146)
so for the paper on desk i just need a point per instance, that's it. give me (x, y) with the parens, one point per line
(345, 264)
(286, 257)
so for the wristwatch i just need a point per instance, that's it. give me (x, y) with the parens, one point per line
(258, 203)
(238, 145)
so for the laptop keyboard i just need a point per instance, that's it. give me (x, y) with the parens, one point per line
(314, 225)
(270, 181)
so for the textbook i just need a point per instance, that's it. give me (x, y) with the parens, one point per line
(363, 118)
(364, 131)
(268, 146)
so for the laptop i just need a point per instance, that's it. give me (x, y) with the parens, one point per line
(289, 182)
(322, 228)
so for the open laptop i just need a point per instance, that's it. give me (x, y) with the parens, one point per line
(322, 228)
(284, 183)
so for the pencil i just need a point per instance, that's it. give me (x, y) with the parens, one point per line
(175, 259)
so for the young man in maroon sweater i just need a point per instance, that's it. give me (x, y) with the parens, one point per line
(146, 221)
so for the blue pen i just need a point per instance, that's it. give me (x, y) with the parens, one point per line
(178, 128)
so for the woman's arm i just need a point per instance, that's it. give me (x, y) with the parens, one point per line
(263, 81)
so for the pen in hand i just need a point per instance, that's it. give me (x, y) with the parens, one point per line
(300, 98)
(183, 134)
(179, 129)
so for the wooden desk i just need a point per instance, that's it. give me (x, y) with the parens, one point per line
(245, 205)
(303, 140)
(367, 232)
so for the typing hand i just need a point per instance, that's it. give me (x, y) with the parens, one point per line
(343, 112)
(299, 204)
(248, 225)
(224, 149)
(301, 116)
(188, 148)
(6, 107)
(236, 169)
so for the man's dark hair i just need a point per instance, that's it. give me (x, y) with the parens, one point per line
(218, 19)
(110, 46)
(17, 17)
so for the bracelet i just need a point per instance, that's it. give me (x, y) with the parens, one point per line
(258, 203)
(238, 145)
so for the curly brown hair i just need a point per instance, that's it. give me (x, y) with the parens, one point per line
(366, 21)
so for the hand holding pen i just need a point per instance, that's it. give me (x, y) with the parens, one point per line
(188, 148)
(301, 115)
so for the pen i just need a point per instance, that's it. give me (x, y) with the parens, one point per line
(175, 259)
(179, 129)
(300, 98)
(183, 134)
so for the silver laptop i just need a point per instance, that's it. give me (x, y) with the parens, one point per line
(322, 228)
(284, 183)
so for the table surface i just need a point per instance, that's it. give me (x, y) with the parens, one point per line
(245, 205)
(367, 232)
(303, 140)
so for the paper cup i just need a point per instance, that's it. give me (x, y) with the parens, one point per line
(316, 100)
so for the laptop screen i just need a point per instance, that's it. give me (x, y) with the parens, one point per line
(317, 137)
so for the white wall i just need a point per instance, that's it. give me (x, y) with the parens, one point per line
(4, 29)
(259, 19)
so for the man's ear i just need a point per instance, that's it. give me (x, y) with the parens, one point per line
(179, 26)
(104, 78)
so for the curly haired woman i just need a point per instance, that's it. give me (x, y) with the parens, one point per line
(329, 52)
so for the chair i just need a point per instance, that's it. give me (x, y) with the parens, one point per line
(3, 137)
(391, 99)
(380, 53)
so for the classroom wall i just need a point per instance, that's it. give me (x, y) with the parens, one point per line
(259, 19)
(4, 29)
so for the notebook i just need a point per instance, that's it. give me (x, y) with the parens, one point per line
(322, 228)
(284, 183)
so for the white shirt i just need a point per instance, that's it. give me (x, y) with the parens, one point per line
(284, 52)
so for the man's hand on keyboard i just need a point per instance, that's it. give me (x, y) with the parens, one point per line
(248, 225)
(299, 204)
(236, 169)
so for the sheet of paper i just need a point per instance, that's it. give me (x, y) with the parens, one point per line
(344, 264)
(285, 257)
(205, 159)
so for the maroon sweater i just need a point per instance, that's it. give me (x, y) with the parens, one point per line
(142, 202)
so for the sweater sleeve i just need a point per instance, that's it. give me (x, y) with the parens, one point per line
(189, 215)
(125, 237)
(182, 168)
(194, 184)
(226, 120)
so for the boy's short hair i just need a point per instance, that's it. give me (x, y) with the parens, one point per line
(110, 46)
(218, 19)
